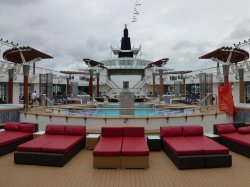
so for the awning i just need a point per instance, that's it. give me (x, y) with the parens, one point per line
(223, 53)
(23, 54)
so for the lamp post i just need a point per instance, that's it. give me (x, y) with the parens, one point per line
(10, 85)
(241, 84)
(97, 84)
(68, 86)
(26, 69)
(225, 72)
(91, 82)
(153, 76)
(161, 83)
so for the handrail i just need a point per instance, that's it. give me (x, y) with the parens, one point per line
(205, 98)
(139, 83)
(46, 100)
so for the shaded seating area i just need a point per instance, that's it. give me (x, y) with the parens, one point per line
(121, 147)
(55, 148)
(190, 98)
(188, 148)
(235, 136)
(139, 100)
(99, 99)
(113, 100)
(14, 134)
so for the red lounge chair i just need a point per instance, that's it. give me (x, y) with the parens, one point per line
(121, 147)
(135, 151)
(59, 144)
(108, 150)
(189, 149)
(15, 133)
(235, 136)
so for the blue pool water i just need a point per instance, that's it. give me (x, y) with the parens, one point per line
(137, 112)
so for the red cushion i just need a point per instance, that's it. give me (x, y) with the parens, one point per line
(55, 129)
(62, 144)
(27, 128)
(192, 130)
(133, 132)
(51, 144)
(37, 143)
(11, 126)
(108, 146)
(112, 131)
(244, 130)
(207, 145)
(242, 139)
(135, 146)
(181, 146)
(75, 130)
(7, 137)
(224, 129)
(171, 131)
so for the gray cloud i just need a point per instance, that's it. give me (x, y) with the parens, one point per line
(18, 2)
(241, 30)
(76, 29)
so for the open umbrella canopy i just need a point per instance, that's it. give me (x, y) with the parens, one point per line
(24, 54)
(75, 72)
(92, 63)
(158, 63)
(176, 72)
(222, 54)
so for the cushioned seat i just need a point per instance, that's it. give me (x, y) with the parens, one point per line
(62, 144)
(37, 143)
(135, 146)
(180, 146)
(188, 148)
(7, 137)
(207, 145)
(108, 146)
(59, 144)
(121, 147)
(243, 139)
(236, 136)
(15, 134)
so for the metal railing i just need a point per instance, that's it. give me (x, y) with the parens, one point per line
(204, 100)
(45, 101)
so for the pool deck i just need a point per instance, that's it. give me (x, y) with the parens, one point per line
(79, 171)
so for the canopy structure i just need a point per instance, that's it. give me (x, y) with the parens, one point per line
(227, 54)
(93, 63)
(75, 72)
(177, 72)
(24, 54)
(158, 63)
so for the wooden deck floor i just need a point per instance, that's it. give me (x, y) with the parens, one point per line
(162, 172)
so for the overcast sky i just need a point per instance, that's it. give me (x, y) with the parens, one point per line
(70, 30)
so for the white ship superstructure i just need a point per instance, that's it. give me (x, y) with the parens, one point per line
(108, 77)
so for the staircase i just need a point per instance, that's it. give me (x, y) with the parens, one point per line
(114, 88)
(137, 87)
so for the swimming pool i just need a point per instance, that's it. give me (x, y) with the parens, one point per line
(137, 112)
(117, 105)
(10, 106)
